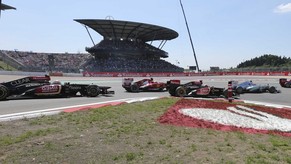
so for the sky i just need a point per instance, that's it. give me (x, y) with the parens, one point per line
(224, 32)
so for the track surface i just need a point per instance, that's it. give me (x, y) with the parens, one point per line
(25, 105)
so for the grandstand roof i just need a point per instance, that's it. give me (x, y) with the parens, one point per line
(129, 30)
(5, 7)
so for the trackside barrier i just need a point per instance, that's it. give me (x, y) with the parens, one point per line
(20, 73)
(117, 74)
(229, 92)
(133, 74)
(56, 74)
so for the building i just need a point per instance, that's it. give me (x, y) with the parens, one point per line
(126, 47)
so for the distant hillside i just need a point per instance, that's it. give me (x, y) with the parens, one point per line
(266, 60)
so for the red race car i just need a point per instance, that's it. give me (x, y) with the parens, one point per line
(285, 83)
(142, 85)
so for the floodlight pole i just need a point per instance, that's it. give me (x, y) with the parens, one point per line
(189, 36)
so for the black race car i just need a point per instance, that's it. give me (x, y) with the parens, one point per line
(195, 89)
(40, 86)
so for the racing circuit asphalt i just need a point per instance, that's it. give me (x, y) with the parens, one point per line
(27, 105)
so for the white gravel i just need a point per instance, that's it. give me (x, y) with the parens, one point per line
(246, 118)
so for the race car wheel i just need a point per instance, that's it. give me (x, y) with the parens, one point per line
(287, 85)
(3, 92)
(272, 89)
(172, 92)
(134, 88)
(83, 93)
(128, 90)
(225, 93)
(93, 91)
(239, 90)
(180, 91)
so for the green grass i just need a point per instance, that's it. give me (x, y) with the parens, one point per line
(130, 133)
(10, 140)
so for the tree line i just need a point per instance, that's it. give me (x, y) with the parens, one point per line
(266, 60)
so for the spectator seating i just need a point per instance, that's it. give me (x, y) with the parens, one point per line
(74, 62)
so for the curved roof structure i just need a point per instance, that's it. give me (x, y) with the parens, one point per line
(129, 30)
(5, 7)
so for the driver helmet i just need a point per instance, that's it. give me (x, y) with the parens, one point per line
(56, 82)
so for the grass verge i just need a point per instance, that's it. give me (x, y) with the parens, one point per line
(130, 133)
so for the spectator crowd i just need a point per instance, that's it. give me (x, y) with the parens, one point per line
(74, 62)
(130, 64)
(39, 62)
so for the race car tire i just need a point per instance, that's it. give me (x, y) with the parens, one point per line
(181, 91)
(134, 88)
(83, 93)
(172, 92)
(239, 90)
(128, 90)
(225, 93)
(93, 91)
(287, 85)
(3, 92)
(272, 89)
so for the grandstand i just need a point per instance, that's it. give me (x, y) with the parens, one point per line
(44, 62)
(5, 7)
(125, 47)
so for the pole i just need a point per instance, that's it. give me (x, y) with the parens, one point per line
(189, 36)
(229, 92)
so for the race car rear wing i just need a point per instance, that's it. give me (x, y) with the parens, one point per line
(127, 81)
(282, 82)
(234, 83)
(174, 82)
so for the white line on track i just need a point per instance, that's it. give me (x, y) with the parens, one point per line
(52, 111)
(259, 103)
(267, 104)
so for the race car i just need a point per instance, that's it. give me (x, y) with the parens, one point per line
(285, 83)
(40, 86)
(195, 89)
(250, 87)
(142, 85)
